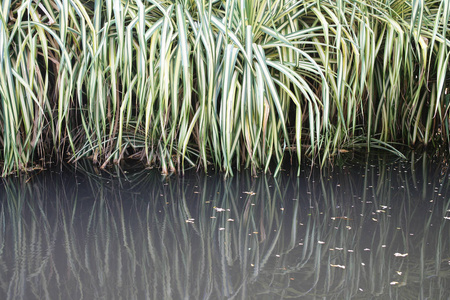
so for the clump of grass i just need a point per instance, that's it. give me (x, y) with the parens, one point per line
(226, 83)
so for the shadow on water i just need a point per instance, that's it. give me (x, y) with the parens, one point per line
(377, 230)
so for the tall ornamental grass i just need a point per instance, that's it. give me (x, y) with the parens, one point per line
(232, 84)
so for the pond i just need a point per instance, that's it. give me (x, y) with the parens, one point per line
(375, 228)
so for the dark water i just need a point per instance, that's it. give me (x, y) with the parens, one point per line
(369, 230)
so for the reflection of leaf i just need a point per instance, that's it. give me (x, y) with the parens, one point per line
(127, 241)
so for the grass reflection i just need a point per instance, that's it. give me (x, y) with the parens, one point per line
(333, 234)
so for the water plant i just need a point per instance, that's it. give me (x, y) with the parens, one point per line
(230, 84)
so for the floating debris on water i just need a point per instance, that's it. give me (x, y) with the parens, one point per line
(400, 254)
(342, 218)
(337, 266)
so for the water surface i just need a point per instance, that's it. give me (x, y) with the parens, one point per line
(375, 229)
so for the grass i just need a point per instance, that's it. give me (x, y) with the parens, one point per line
(229, 84)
